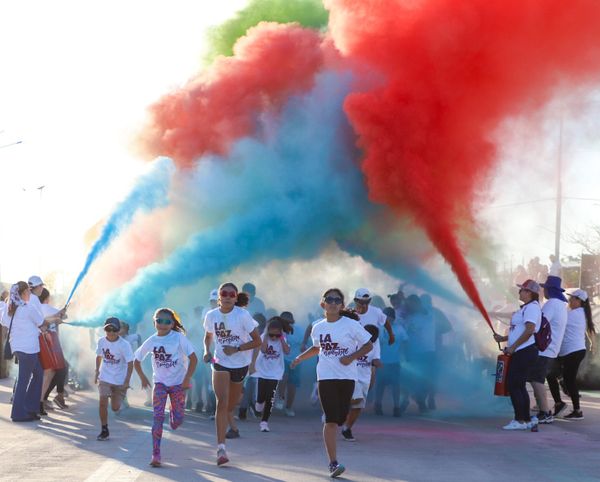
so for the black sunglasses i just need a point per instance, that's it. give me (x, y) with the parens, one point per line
(111, 329)
(333, 300)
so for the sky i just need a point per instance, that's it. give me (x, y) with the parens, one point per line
(77, 78)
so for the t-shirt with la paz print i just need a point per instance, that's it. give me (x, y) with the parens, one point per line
(115, 357)
(270, 365)
(365, 362)
(169, 357)
(230, 329)
(335, 340)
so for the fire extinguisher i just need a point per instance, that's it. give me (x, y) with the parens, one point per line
(502, 367)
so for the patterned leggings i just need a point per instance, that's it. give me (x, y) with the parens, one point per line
(177, 395)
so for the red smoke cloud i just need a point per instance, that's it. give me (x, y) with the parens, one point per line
(270, 63)
(451, 73)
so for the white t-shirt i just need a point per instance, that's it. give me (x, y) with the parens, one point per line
(364, 364)
(270, 365)
(169, 357)
(374, 316)
(529, 313)
(574, 339)
(555, 312)
(115, 357)
(230, 329)
(47, 311)
(24, 335)
(134, 340)
(336, 340)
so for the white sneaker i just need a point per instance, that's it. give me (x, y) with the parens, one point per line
(289, 412)
(259, 407)
(514, 425)
(264, 427)
(279, 404)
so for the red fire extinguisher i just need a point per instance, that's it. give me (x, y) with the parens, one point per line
(502, 367)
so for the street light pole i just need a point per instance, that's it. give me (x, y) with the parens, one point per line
(559, 198)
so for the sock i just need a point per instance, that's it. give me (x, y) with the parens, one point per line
(221, 446)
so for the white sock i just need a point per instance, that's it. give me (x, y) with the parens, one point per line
(221, 446)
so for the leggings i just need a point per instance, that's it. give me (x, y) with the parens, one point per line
(58, 381)
(520, 363)
(570, 365)
(266, 392)
(177, 395)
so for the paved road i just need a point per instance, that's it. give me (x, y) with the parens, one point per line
(433, 448)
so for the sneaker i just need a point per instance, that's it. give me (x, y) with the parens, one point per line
(545, 417)
(264, 427)
(559, 408)
(103, 435)
(155, 462)
(232, 433)
(278, 405)
(347, 434)
(532, 424)
(289, 412)
(574, 415)
(222, 457)
(335, 469)
(242, 414)
(259, 407)
(514, 425)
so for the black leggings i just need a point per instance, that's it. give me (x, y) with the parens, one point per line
(58, 380)
(570, 366)
(335, 396)
(520, 363)
(266, 392)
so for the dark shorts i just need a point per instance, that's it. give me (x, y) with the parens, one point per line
(236, 375)
(293, 376)
(335, 396)
(539, 370)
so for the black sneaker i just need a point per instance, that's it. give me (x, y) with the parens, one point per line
(559, 408)
(347, 434)
(545, 417)
(335, 469)
(574, 415)
(232, 433)
(103, 435)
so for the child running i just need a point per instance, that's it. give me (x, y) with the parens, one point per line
(173, 364)
(268, 367)
(114, 364)
(235, 335)
(364, 369)
(335, 340)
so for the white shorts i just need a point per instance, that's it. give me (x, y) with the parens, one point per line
(361, 390)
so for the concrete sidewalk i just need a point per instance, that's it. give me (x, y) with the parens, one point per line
(431, 448)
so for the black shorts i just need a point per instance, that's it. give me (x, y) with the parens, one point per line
(335, 396)
(236, 375)
(539, 370)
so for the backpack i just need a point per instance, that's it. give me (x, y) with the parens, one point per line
(543, 337)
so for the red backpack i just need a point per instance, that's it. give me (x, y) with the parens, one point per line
(543, 337)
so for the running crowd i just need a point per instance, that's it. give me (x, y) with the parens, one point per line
(251, 361)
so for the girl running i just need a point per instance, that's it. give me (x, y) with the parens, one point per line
(268, 367)
(173, 364)
(235, 335)
(336, 339)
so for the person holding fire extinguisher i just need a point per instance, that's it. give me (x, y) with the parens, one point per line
(523, 351)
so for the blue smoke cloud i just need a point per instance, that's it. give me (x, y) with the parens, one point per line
(150, 192)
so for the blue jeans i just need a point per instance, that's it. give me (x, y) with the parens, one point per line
(28, 392)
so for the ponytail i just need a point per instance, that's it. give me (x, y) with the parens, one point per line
(587, 309)
(353, 315)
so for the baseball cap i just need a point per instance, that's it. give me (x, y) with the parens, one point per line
(362, 294)
(581, 294)
(214, 295)
(114, 322)
(530, 285)
(35, 281)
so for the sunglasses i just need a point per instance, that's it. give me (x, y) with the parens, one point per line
(333, 300)
(275, 335)
(111, 330)
(163, 321)
(227, 294)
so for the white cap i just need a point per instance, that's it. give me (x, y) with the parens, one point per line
(362, 294)
(214, 295)
(581, 294)
(35, 281)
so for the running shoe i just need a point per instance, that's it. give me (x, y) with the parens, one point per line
(335, 469)
(290, 412)
(60, 401)
(155, 462)
(264, 427)
(232, 433)
(545, 417)
(103, 435)
(559, 408)
(574, 415)
(347, 434)
(222, 457)
(514, 425)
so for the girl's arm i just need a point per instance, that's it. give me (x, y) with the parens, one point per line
(98, 362)
(529, 330)
(190, 371)
(265, 344)
(128, 376)
(208, 338)
(138, 368)
(307, 333)
(366, 348)
(312, 351)
(284, 345)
